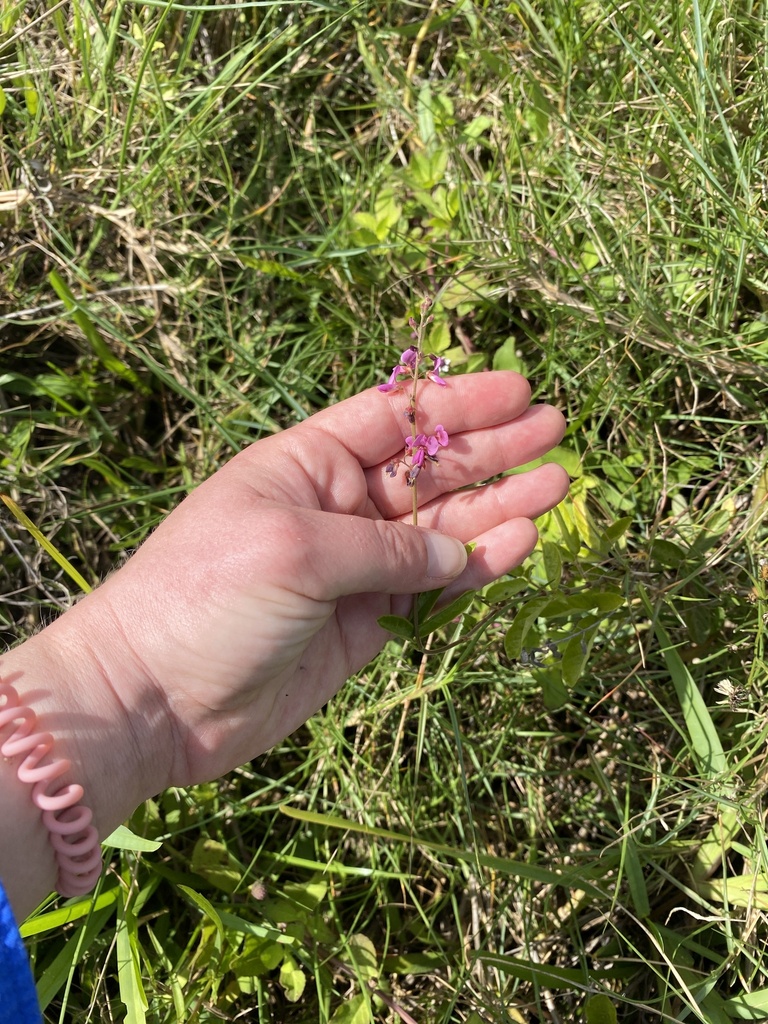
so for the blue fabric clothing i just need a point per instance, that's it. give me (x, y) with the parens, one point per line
(18, 998)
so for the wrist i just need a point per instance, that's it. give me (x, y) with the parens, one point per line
(81, 682)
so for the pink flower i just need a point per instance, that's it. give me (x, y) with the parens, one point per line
(393, 383)
(410, 357)
(441, 434)
(434, 374)
(424, 447)
(407, 365)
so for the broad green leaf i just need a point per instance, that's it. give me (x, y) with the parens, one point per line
(600, 1010)
(668, 554)
(439, 337)
(478, 126)
(368, 222)
(752, 1006)
(353, 1011)
(575, 655)
(3, 100)
(214, 862)
(505, 589)
(413, 963)
(553, 562)
(123, 839)
(745, 891)
(362, 953)
(554, 694)
(618, 529)
(258, 957)
(717, 844)
(447, 614)
(506, 357)
(527, 614)
(261, 931)
(398, 625)
(292, 979)
(307, 895)
(466, 288)
(427, 601)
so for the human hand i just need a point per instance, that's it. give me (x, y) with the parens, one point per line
(259, 595)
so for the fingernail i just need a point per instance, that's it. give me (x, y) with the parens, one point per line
(446, 556)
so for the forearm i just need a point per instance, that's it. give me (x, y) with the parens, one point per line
(78, 677)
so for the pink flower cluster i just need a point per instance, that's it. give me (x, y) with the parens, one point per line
(418, 449)
(408, 367)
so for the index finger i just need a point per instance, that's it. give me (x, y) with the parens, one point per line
(372, 426)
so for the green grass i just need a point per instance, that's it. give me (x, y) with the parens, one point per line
(247, 202)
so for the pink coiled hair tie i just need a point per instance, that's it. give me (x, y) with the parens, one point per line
(74, 839)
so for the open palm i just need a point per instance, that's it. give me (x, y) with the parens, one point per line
(259, 595)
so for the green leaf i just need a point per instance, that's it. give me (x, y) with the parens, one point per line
(553, 562)
(703, 736)
(205, 906)
(478, 126)
(717, 843)
(31, 97)
(352, 1011)
(398, 625)
(525, 618)
(600, 1010)
(505, 589)
(100, 348)
(448, 614)
(56, 919)
(467, 288)
(307, 895)
(426, 119)
(570, 878)
(50, 979)
(547, 975)
(750, 1006)
(214, 862)
(258, 957)
(553, 692)
(292, 979)
(427, 601)
(618, 529)
(362, 953)
(3, 100)
(506, 357)
(123, 839)
(129, 979)
(575, 655)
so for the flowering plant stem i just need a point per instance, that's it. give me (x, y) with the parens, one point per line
(421, 449)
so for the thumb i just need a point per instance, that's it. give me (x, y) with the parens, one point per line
(361, 556)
